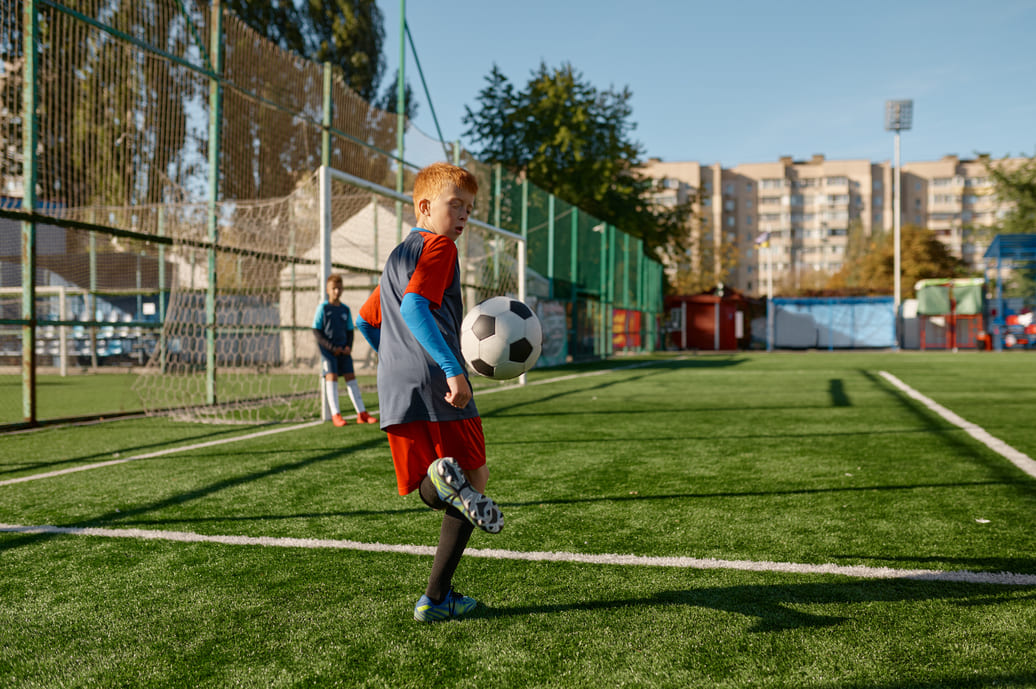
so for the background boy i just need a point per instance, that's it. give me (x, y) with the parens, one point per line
(434, 431)
(333, 329)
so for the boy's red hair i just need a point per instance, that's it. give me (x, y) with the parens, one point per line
(432, 180)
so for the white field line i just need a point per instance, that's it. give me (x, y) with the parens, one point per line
(854, 571)
(158, 453)
(1019, 459)
(250, 436)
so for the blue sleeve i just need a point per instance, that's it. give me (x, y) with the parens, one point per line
(418, 317)
(318, 319)
(369, 332)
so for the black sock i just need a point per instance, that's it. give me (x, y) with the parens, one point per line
(429, 495)
(453, 539)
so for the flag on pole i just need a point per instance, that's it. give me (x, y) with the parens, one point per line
(763, 240)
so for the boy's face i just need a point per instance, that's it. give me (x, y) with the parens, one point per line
(448, 213)
(334, 292)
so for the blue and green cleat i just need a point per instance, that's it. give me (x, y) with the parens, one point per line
(453, 605)
(452, 486)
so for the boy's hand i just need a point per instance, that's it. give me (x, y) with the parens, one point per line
(460, 392)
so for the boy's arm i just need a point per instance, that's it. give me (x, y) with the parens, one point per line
(318, 330)
(369, 332)
(322, 340)
(417, 314)
(418, 317)
(368, 320)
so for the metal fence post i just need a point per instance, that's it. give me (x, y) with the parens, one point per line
(29, 135)
(215, 126)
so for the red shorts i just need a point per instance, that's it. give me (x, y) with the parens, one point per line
(417, 444)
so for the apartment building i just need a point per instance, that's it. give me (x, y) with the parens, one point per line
(806, 207)
(948, 196)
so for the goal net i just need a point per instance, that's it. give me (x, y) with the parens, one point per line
(236, 344)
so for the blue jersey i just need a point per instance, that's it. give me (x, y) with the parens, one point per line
(335, 322)
(411, 383)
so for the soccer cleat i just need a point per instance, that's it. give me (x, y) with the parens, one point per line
(453, 605)
(364, 417)
(452, 486)
(338, 420)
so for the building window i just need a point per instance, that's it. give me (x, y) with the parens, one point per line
(877, 185)
(731, 221)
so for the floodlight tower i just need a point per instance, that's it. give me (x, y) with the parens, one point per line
(899, 116)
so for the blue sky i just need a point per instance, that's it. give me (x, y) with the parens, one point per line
(749, 81)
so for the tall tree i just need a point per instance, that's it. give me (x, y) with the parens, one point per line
(573, 140)
(848, 281)
(1015, 188)
(349, 34)
(922, 256)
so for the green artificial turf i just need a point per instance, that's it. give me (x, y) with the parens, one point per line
(785, 458)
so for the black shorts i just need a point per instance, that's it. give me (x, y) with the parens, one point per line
(338, 364)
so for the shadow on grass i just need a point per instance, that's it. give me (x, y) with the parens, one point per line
(1021, 680)
(125, 451)
(644, 370)
(778, 607)
(836, 389)
(755, 493)
(122, 516)
(961, 444)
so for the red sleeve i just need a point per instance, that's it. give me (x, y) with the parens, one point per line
(434, 270)
(371, 309)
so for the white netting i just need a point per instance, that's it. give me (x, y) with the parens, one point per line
(260, 361)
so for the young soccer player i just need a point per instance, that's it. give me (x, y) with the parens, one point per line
(434, 431)
(333, 329)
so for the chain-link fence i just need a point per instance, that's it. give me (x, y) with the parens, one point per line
(156, 170)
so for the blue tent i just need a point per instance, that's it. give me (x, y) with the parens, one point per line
(1015, 248)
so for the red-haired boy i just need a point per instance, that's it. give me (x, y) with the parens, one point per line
(434, 430)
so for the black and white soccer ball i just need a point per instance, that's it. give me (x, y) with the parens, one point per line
(501, 338)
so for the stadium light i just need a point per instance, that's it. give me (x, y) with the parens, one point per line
(899, 116)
